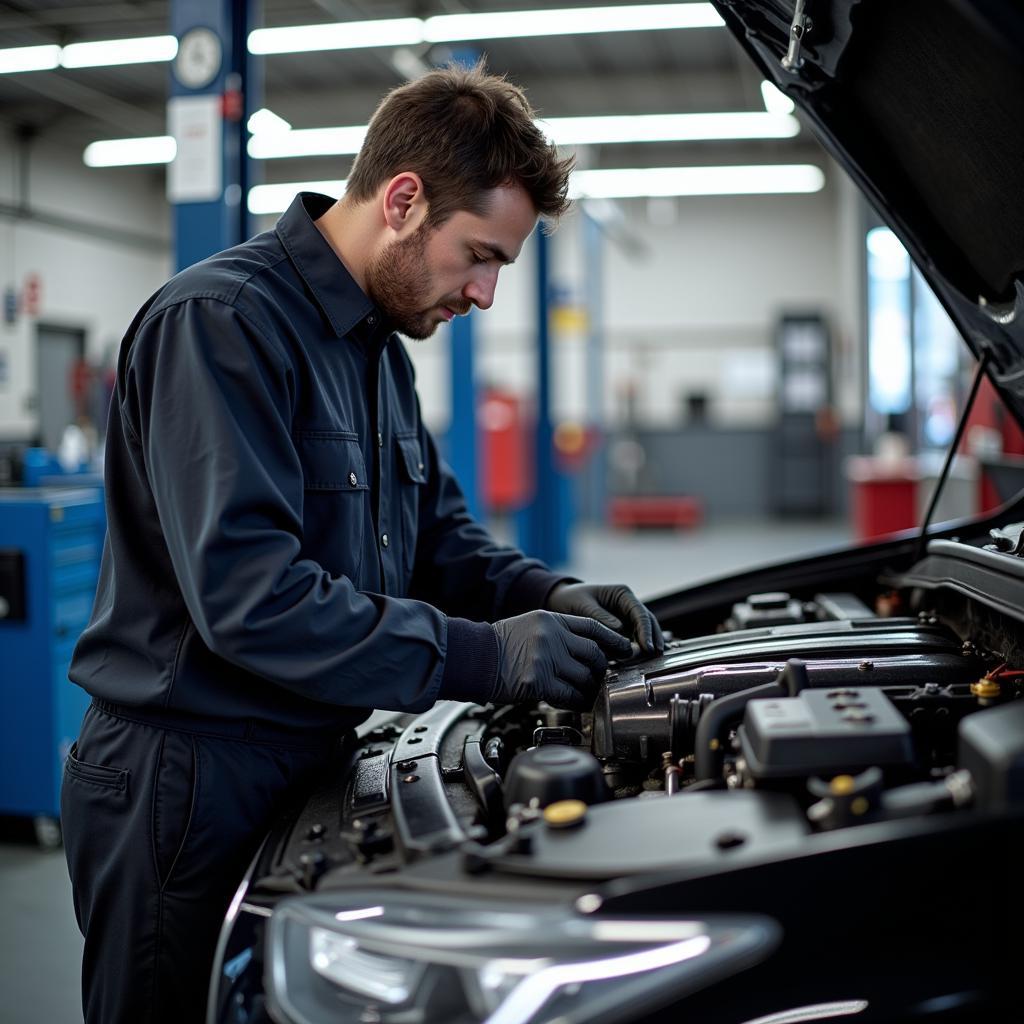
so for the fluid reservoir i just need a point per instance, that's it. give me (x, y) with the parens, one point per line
(555, 772)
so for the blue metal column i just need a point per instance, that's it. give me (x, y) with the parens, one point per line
(544, 523)
(462, 448)
(462, 433)
(214, 89)
(597, 470)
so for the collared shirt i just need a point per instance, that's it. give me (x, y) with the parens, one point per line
(284, 542)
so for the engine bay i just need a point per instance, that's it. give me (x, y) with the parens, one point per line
(847, 763)
(804, 713)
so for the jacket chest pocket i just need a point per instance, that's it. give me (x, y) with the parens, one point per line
(412, 473)
(336, 492)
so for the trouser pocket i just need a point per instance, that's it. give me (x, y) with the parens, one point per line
(94, 801)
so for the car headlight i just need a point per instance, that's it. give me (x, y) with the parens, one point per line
(414, 958)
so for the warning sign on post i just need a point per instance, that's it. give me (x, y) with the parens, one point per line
(195, 174)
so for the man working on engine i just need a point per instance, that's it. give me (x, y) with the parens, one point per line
(286, 551)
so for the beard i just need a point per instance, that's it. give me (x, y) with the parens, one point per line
(399, 283)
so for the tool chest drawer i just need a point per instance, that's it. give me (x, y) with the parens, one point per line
(51, 540)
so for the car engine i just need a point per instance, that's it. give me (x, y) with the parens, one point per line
(803, 713)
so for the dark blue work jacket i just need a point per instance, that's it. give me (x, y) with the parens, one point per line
(284, 543)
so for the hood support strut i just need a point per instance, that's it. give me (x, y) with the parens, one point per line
(979, 373)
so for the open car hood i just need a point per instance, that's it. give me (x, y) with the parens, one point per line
(922, 103)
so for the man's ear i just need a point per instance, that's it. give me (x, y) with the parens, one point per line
(405, 203)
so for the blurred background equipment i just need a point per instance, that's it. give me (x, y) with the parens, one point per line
(805, 433)
(47, 584)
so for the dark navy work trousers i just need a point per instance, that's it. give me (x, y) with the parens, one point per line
(161, 816)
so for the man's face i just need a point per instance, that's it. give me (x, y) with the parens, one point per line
(436, 274)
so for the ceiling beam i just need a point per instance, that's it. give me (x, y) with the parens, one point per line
(99, 106)
(87, 14)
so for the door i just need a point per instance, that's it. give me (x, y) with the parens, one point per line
(60, 350)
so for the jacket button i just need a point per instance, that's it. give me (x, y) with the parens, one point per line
(384, 539)
(419, 466)
(380, 440)
(352, 479)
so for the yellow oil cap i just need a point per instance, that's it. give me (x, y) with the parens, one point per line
(986, 686)
(565, 813)
(841, 785)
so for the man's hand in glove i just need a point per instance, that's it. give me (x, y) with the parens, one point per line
(557, 658)
(613, 605)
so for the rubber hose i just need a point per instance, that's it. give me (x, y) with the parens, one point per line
(719, 713)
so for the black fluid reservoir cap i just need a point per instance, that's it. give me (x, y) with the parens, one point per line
(555, 772)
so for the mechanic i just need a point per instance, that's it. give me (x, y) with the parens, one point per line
(286, 550)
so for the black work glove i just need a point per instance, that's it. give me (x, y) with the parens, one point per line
(557, 658)
(613, 605)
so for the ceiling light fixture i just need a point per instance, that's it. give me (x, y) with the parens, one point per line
(266, 123)
(578, 131)
(338, 35)
(107, 52)
(159, 149)
(265, 199)
(387, 32)
(625, 183)
(563, 131)
(29, 58)
(775, 100)
(753, 179)
(273, 138)
(308, 142)
(449, 28)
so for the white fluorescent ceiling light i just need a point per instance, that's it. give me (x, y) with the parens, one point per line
(390, 32)
(272, 138)
(106, 52)
(775, 100)
(337, 35)
(563, 131)
(266, 122)
(752, 179)
(308, 142)
(29, 58)
(450, 28)
(275, 198)
(103, 53)
(578, 131)
(159, 149)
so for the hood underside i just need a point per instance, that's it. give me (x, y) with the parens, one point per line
(922, 103)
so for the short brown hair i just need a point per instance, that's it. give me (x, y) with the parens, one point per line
(464, 132)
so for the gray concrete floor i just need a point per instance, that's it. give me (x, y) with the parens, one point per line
(40, 947)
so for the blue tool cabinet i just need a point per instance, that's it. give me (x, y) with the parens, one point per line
(50, 545)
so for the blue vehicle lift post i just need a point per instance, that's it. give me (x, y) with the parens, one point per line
(213, 72)
(597, 476)
(544, 524)
(462, 431)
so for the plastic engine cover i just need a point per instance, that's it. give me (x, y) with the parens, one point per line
(822, 732)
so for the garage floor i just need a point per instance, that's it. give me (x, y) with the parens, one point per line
(40, 947)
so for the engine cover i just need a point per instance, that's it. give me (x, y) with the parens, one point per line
(824, 732)
(650, 707)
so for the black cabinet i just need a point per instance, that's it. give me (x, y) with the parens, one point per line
(803, 452)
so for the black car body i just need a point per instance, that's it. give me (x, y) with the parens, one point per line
(812, 805)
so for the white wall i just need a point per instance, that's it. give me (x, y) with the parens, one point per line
(694, 310)
(98, 242)
(690, 307)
